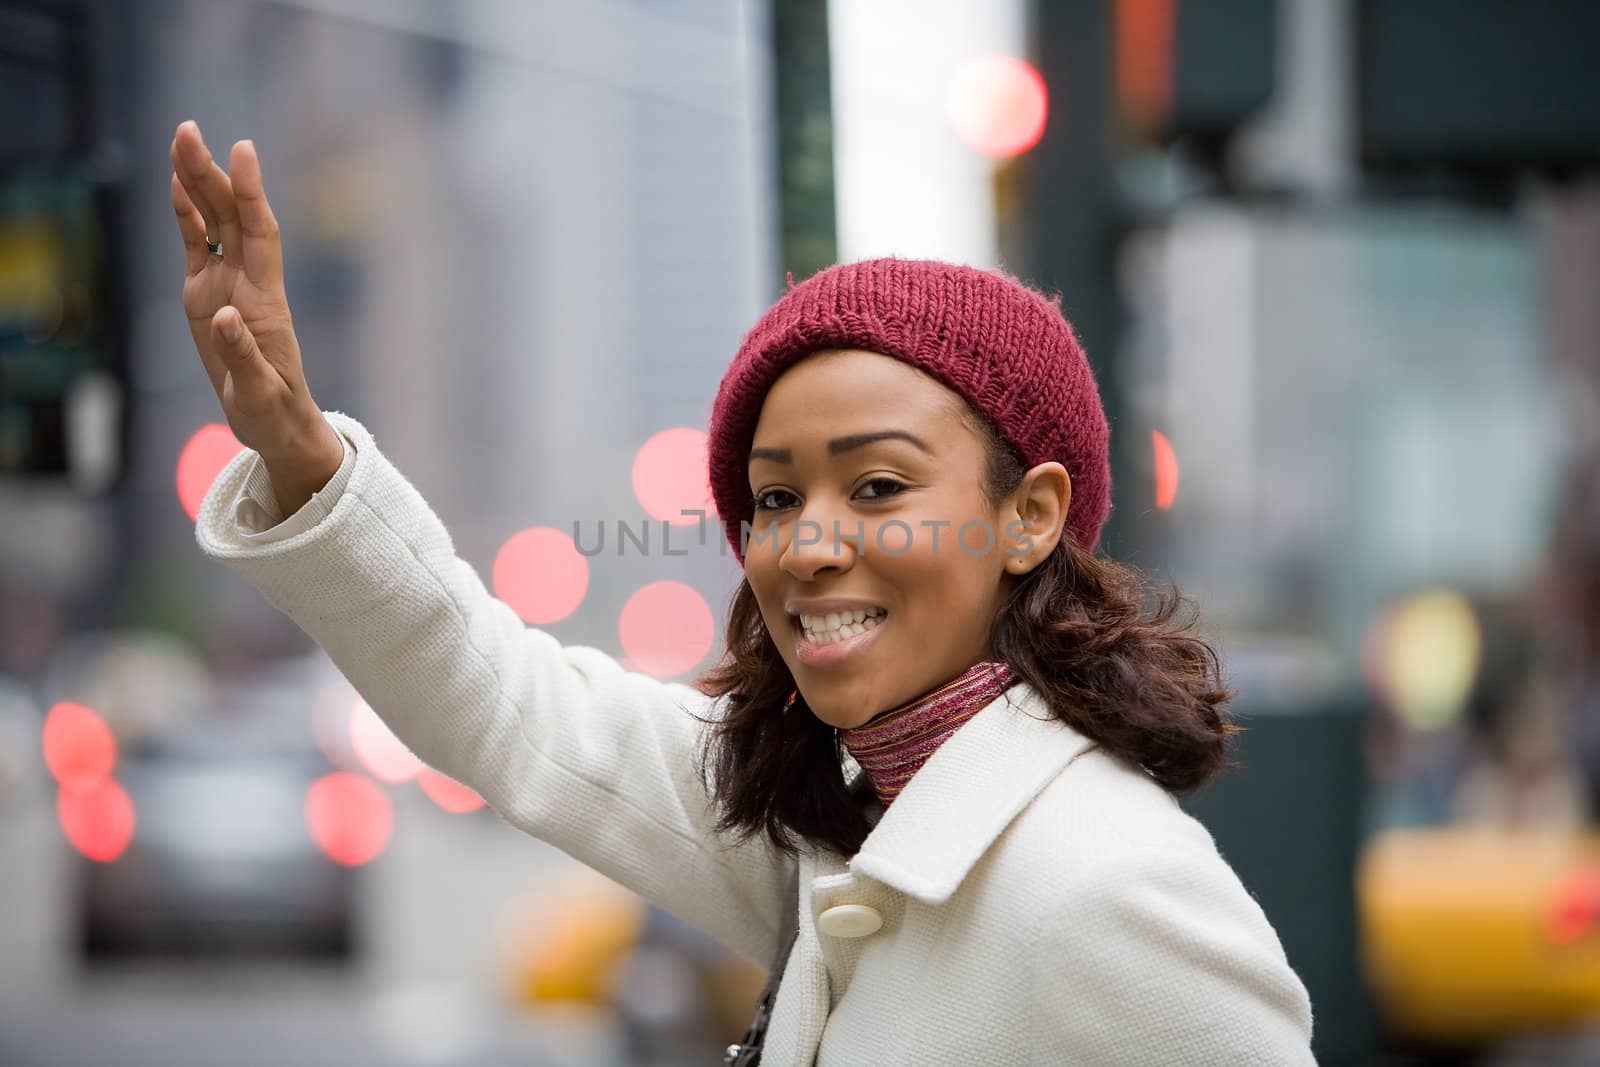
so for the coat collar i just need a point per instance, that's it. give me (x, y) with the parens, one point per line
(966, 794)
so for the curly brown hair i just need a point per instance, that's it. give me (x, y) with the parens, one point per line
(1077, 628)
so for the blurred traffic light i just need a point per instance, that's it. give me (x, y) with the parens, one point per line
(1188, 69)
(62, 334)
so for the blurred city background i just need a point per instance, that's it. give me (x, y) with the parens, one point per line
(1336, 263)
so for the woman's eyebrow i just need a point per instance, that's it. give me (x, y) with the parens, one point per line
(840, 445)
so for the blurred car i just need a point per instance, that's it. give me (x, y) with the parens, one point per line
(1474, 934)
(221, 858)
(676, 995)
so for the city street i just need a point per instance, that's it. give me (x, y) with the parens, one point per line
(425, 992)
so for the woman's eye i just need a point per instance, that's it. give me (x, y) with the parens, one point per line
(763, 500)
(894, 488)
(777, 499)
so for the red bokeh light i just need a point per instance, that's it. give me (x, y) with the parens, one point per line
(96, 817)
(1574, 907)
(350, 818)
(1166, 462)
(541, 574)
(384, 755)
(211, 448)
(79, 747)
(448, 793)
(997, 105)
(670, 476)
(1144, 55)
(666, 628)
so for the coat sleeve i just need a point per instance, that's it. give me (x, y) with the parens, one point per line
(560, 741)
(1162, 956)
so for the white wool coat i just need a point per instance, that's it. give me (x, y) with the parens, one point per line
(1039, 901)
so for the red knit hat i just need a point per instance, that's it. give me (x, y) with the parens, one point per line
(1003, 346)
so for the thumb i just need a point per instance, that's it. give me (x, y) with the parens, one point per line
(237, 346)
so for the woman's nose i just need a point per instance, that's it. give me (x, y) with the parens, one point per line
(819, 543)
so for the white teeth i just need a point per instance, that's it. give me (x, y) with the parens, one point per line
(836, 626)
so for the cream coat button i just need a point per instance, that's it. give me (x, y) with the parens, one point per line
(849, 920)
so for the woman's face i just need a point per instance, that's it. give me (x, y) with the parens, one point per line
(863, 473)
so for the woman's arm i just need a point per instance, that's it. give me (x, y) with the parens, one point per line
(559, 740)
(1162, 956)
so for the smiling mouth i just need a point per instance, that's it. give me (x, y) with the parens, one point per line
(833, 628)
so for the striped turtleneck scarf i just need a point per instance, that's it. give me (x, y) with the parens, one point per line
(894, 745)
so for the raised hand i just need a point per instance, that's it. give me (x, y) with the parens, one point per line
(239, 316)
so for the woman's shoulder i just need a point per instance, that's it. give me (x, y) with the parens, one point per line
(1103, 878)
(1102, 811)
(1127, 903)
(1105, 837)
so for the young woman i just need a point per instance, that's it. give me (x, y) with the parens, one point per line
(943, 746)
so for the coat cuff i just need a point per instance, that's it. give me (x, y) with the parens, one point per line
(355, 561)
(259, 520)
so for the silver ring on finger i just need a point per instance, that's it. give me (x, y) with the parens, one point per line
(212, 247)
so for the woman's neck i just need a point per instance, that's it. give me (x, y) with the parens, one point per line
(893, 746)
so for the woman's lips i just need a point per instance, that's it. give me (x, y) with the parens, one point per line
(812, 654)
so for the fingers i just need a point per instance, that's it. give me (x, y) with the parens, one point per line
(191, 227)
(262, 246)
(209, 188)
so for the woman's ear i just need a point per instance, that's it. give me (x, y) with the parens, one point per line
(1035, 516)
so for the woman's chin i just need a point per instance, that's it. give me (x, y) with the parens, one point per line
(843, 716)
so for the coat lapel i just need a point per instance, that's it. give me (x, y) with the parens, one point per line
(966, 794)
